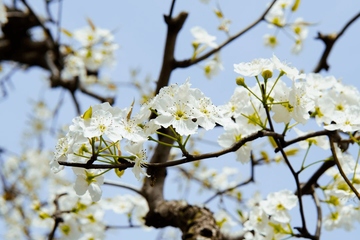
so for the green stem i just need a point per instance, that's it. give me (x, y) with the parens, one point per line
(306, 153)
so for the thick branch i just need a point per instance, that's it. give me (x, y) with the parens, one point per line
(195, 222)
(174, 25)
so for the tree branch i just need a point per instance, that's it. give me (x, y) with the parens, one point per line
(342, 173)
(195, 222)
(189, 62)
(122, 185)
(154, 165)
(329, 41)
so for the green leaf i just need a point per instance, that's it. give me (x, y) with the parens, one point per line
(119, 173)
(295, 6)
(131, 108)
(66, 32)
(87, 115)
(90, 22)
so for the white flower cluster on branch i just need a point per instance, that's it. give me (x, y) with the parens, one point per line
(104, 133)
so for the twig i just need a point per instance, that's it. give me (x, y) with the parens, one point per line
(122, 227)
(172, 8)
(58, 23)
(307, 188)
(189, 62)
(319, 215)
(122, 185)
(187, 159)
(98, 97)
(56, 111)
(57, 219)
(305, 137)
(342, 173)
(76, 103)
(329, 41)
(6, 78)
(251, 179)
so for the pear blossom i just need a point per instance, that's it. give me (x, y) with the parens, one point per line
(136, 150)
(213, 67)
(175, 106)
(342, 217)
(275, 17)
(292, 103)
(270, 40)
(291, 72)
(254, 68)
(202, 37)
(102, 122)
(88, 181)
(89, 36)
(74, 66)
(277, 205)
(258, 221)
(224, 220)
(301, 102)
(69, 229)
(233, 133)
(301, 31)
(347, 121)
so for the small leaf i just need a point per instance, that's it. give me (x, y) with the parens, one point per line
(87, 115)
(92, 25)
(292, 152)
(66, 32)
(117, 145)
(131, 108)
(218, 13)
(272, 142)
(265, 156)
(295, 6)
(119, 173)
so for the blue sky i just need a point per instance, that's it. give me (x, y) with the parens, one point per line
(140, 31)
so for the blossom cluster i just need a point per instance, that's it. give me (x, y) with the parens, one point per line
(342, 201)
(270, 218)
(277, 17)
(39, 209)
(184, 109)
(96, 50)
(100, 129)
(82, 218)
(333, 104)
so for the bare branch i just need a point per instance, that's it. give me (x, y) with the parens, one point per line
(329, 41)
(308, 187)
(251, 179)
(319, 215)
(189, 62)
(342, 173)
(122, 185)
(171, 8)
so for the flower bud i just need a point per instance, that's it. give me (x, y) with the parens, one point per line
(266, 74)
(195, 45)
(240, 81)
